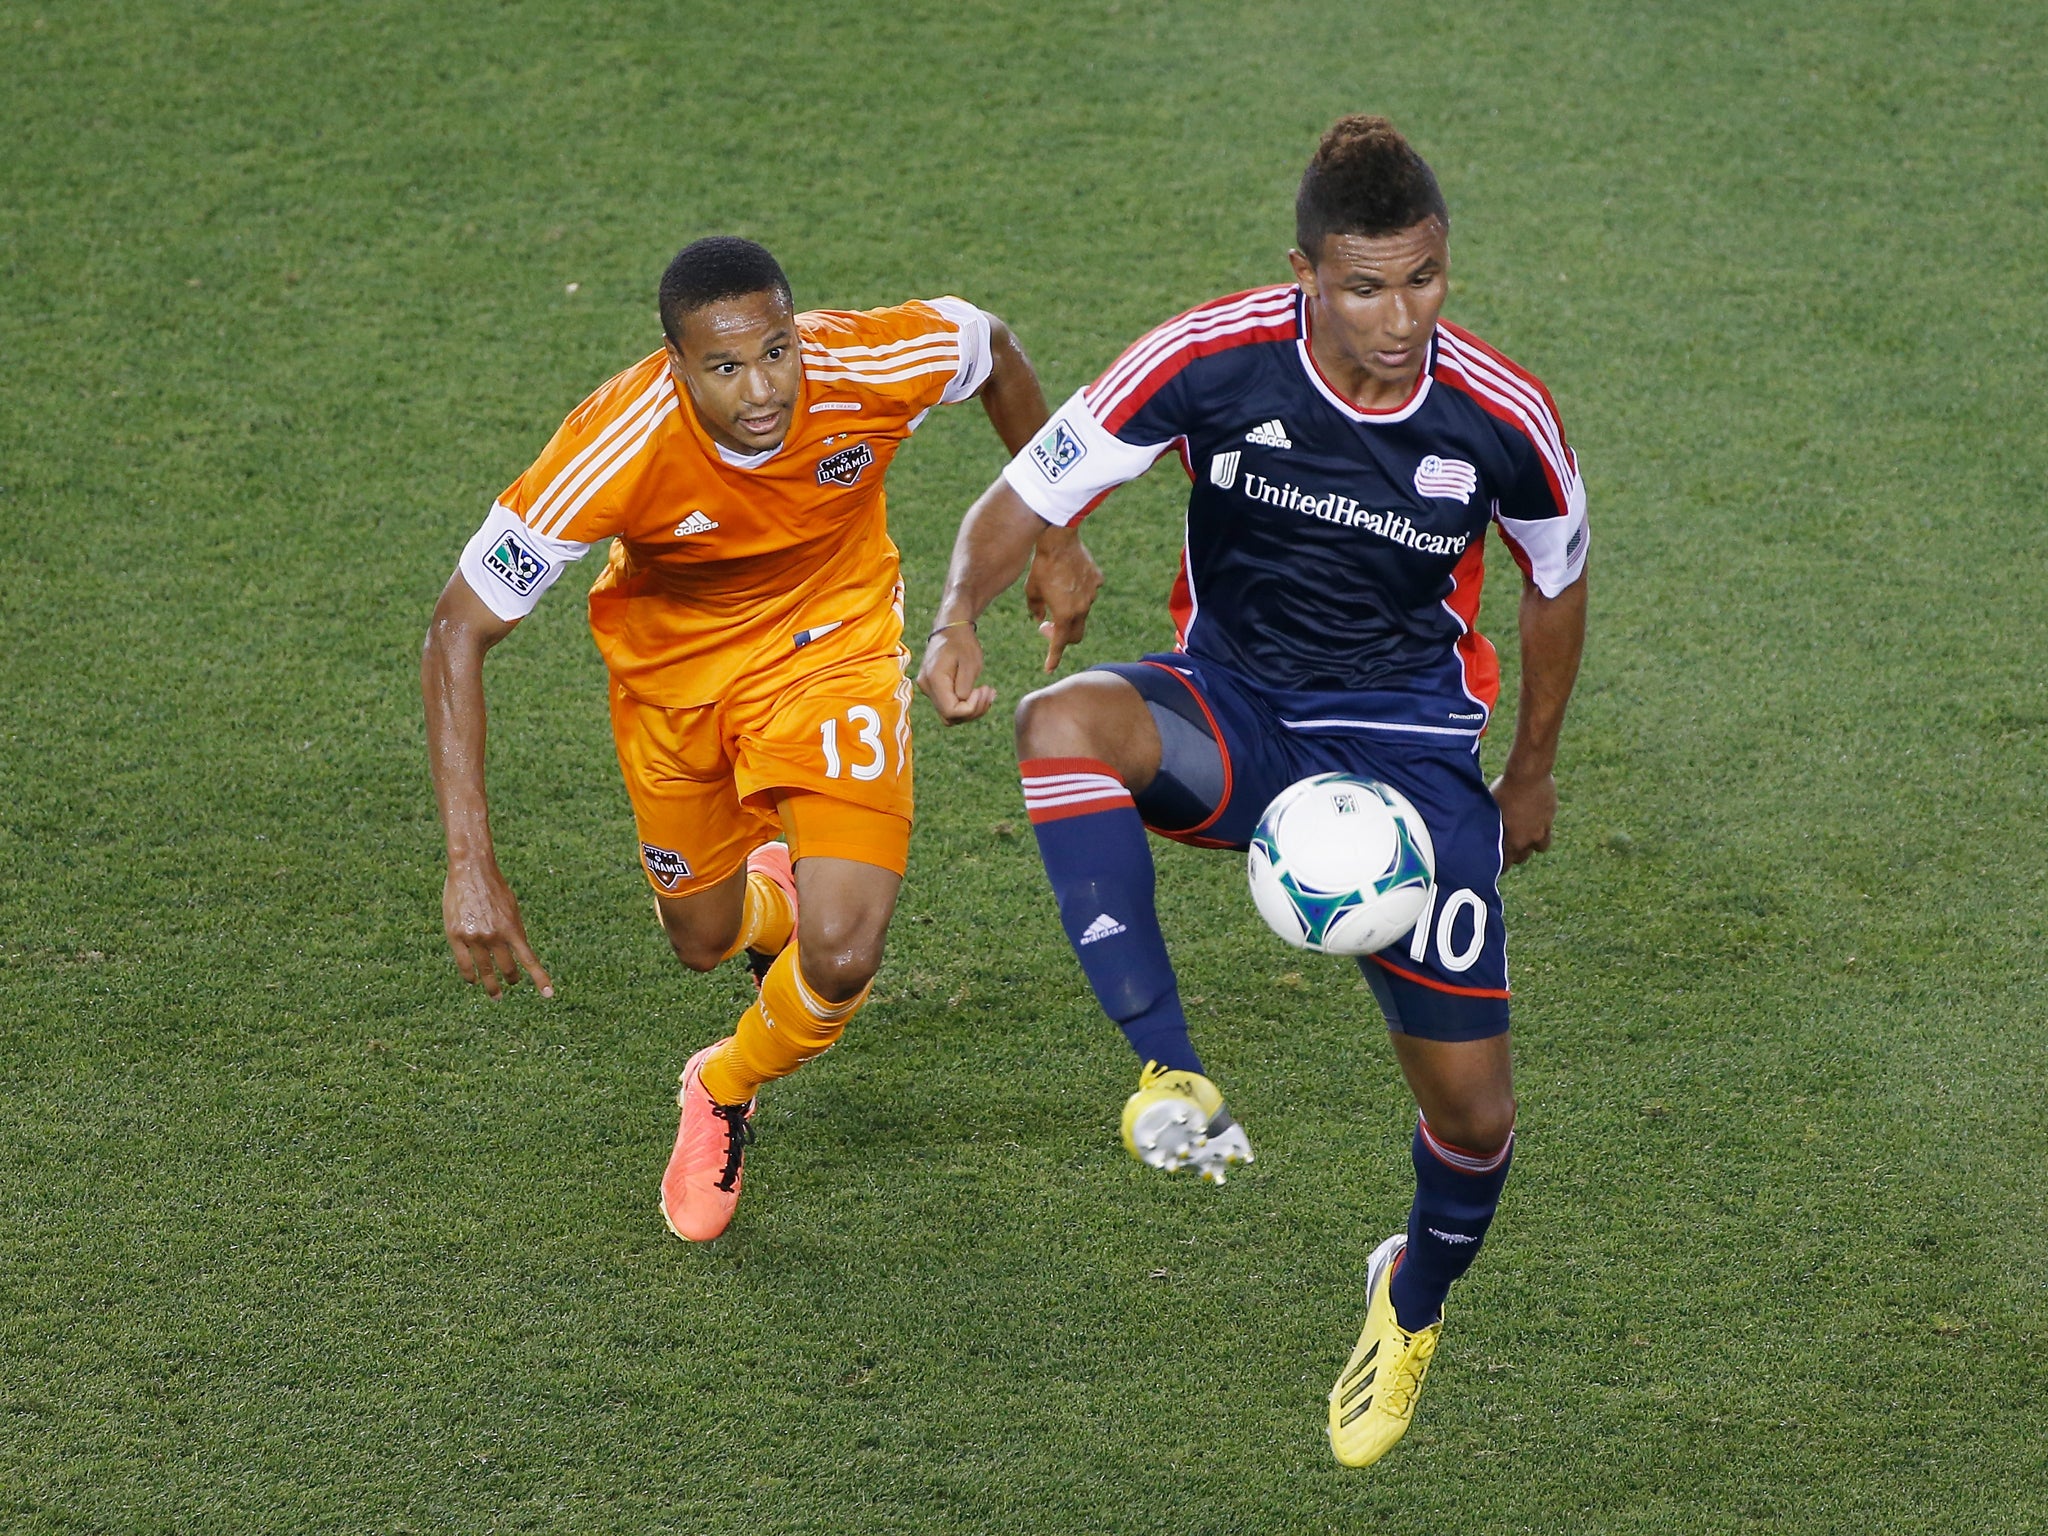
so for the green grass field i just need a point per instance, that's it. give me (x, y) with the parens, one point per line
(300, 1235)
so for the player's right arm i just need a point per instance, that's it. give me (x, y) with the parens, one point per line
(479, 913)
(578, 491)
(996, 540)
(1093, 443)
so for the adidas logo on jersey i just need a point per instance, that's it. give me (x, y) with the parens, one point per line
(1104, 927)
(1269, 434)
(696, 522)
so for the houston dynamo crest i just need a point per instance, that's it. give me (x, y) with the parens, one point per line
(844, 467)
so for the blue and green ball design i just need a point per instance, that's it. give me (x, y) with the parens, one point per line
(1318, 911)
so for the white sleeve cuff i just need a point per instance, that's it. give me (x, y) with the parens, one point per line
(509, 565)
(976, 361)
(1075, 461)
(1555, 548)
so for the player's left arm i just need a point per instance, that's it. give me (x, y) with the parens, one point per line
(1553, 637)
(1541, 513)
(1011, 394)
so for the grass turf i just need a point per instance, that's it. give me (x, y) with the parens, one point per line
(301, 1236)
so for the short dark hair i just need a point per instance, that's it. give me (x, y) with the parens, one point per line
(1364, 179)
(717, 267)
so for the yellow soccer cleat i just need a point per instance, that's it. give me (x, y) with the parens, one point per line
(1177, 1120)
(1374, 1398)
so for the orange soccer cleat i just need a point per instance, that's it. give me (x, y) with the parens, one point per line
(702, 1185)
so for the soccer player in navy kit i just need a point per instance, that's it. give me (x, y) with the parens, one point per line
(1348, 451)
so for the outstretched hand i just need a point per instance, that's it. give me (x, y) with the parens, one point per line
(480, 916)
(1060, 590)
(1528, 807)
(950, 673)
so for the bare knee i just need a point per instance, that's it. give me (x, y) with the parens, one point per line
(696, 948)
(1046, 726)
(1481, 1124)
(1092, 714)
(839, 959)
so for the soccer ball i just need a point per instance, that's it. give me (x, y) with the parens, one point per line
(1341, 865)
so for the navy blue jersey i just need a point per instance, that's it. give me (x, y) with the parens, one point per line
(1333, 555)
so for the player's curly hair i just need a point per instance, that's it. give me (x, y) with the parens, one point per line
(716, 267)
(1365, 179)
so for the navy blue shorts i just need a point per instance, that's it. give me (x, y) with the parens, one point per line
(1448, 978)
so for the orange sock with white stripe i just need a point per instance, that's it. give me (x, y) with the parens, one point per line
(767, 921)
(786, 1027)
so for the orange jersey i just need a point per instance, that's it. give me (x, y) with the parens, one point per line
(723, 564)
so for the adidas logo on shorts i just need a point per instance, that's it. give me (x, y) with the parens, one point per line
(1104, 927)
(1269, 434)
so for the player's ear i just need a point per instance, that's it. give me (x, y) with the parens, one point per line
(1304, 272)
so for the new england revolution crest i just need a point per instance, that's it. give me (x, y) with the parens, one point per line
(844, 467)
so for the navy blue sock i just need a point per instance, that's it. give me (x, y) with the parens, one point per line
(1100, 867)
(1455, 1196)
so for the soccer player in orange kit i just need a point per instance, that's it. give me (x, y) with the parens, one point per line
(751, 618)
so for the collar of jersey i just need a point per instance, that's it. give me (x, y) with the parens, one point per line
(1400, 412)
(745, 460)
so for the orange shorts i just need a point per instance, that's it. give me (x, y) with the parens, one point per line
(823, 760)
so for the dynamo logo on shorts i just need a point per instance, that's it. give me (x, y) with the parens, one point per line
(666, 865)
(1058, 451)
(514, 564)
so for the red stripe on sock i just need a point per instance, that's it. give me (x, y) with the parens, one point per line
(1080, 808)
(1108, 797)
(1458, 1158)
(1039, 767)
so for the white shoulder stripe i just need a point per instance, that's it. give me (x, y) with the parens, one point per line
(597, 445)
(1538, 422)
(626, 454)
(1109, 398)
(926, 339)
(946, 366)
(1138, 364)
(1478, 364)
(1137, 356)
(1527, 402)
(950, 356)
(564, 488)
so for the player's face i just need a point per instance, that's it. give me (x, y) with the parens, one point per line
(1374, 301)
(739, 361)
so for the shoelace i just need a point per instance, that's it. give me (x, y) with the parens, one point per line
(739, 1130)
(1399, 1396)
